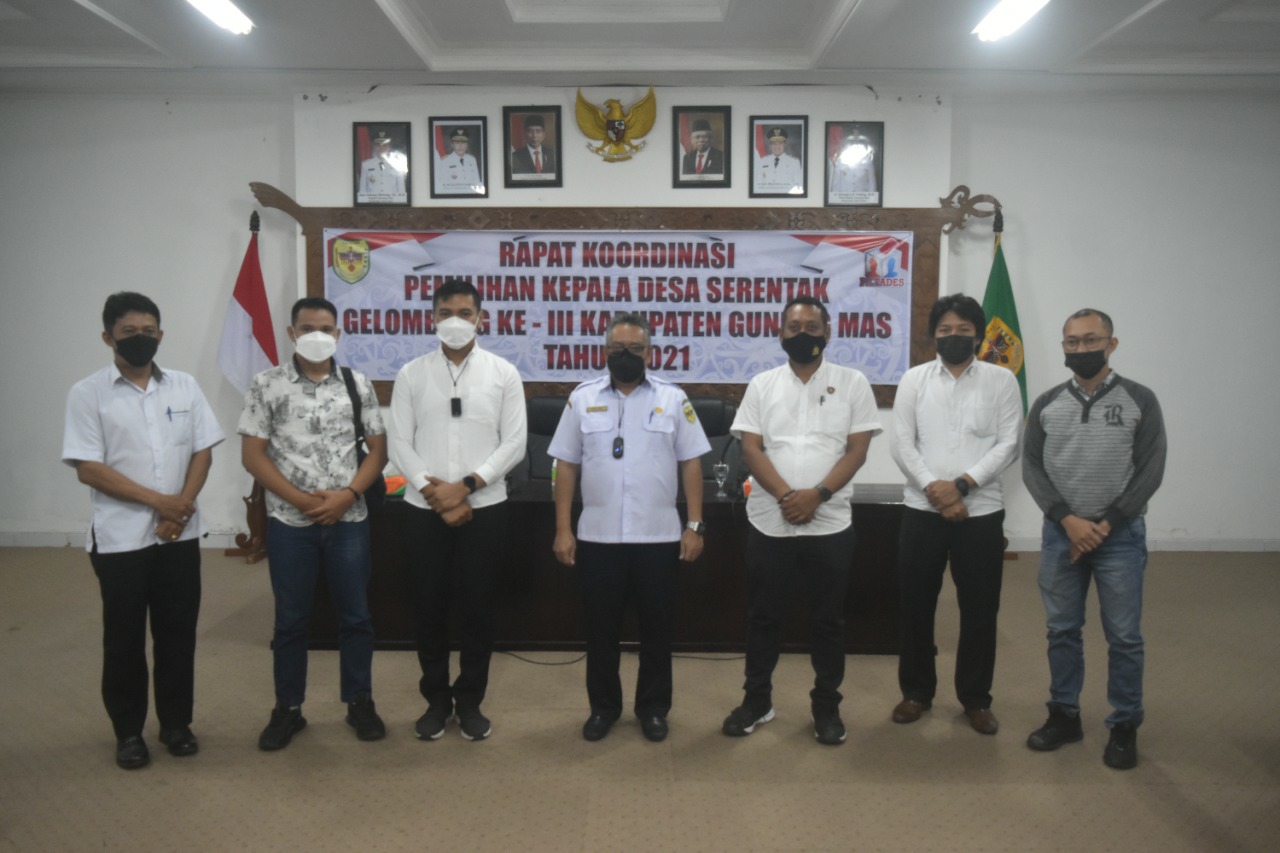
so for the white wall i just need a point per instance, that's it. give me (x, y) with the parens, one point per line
(1161, 211)
(1157, 209)
(107, 194)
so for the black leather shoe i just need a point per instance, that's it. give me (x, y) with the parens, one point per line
(654, 728)
(597, 726)
(181, 741)
(131, 753)
(1122, 748)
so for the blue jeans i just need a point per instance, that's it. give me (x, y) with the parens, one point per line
(1117, 566)
(296, 555)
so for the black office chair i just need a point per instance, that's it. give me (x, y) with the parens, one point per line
(544, 416)
(716, 417)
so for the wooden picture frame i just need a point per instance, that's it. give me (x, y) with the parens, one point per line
(779, 163)
(459, 156)
(710, 128)
(854, 156)
(380, 164)
(525, 165)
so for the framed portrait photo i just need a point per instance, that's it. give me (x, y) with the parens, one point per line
(380, 163)
(700, 147)
(531, 147)
(458, 146)
(778, 167)
(855, 164)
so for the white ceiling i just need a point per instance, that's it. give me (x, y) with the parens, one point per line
(165, 46)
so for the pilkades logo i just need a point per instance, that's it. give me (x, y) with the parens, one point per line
(350, 259)
(884, 265)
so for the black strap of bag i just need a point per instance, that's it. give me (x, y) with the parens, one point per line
(376, 494)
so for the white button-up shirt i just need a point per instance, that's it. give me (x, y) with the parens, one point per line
(488, 439)
(946, 426)
(148, 435)
(632, 499)
(805, 427)
(310, 429)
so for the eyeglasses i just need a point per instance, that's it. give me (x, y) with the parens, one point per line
(634, 349)
(1089, 342)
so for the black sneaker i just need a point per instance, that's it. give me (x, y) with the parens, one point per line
(473, 724)
(1122, 750)
(285, 723)
(131, 753)
(828, 728)
(431, 725)
(743, 720)
(363, 717)
(1061, 728)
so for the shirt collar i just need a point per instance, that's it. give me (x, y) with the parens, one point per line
(942, 369)
(1111, 378)
(156, 373)
(295, 374)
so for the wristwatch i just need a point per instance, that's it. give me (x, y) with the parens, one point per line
(697, 527)
(470, 483)
(824, 494)
(963, 486)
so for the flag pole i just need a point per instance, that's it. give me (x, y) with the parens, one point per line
(252, 545)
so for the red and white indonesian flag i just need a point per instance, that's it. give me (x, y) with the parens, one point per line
(248, 344)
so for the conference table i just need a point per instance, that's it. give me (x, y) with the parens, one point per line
(538, 599)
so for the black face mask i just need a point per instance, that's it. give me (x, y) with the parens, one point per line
(1087, 364)
(955, 349)
(625, 367)
(138, 350)
(804, 348)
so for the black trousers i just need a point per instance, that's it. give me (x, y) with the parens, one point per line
(610, 574)
(447, 564)
(161, 582)
(975, 548)
(819, 566)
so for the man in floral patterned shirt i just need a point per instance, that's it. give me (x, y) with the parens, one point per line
(300, 444)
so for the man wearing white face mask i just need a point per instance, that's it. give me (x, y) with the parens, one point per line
(299, 442)
(457, 427)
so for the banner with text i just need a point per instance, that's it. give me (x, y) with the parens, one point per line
(713, 300)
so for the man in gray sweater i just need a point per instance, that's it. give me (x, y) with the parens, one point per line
(1093, 455)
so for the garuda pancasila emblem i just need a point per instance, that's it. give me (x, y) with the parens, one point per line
(618, 133)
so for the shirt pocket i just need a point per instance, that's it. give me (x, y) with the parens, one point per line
(598, 430)
(980, 420)
(182, 430)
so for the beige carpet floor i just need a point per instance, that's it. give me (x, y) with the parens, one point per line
(1209, 778)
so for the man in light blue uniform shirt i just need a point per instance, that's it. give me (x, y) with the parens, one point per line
(627, 435)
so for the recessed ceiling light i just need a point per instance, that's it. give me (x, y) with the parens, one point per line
(225, 14)
(1007, 17)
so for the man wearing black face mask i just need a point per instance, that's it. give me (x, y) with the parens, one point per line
(805, 428)
(142, 439)
(628, 435)
(1094, 455)
(956, 426)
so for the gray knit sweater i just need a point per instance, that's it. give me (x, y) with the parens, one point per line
(1099, 457)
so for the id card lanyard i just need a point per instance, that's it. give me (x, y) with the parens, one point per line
(455, 402)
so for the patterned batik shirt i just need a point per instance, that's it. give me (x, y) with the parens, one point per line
(310, 432)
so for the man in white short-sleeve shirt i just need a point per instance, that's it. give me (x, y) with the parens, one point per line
(142, 439)
(627, 436)
(805, 428)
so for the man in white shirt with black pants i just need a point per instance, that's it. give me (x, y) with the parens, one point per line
(142, 439)
(457, 427)
(805, 428)
(956, 426)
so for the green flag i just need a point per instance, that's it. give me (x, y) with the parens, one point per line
(1002, 343)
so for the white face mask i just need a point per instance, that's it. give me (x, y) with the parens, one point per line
(316, 346)
(455, 332)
